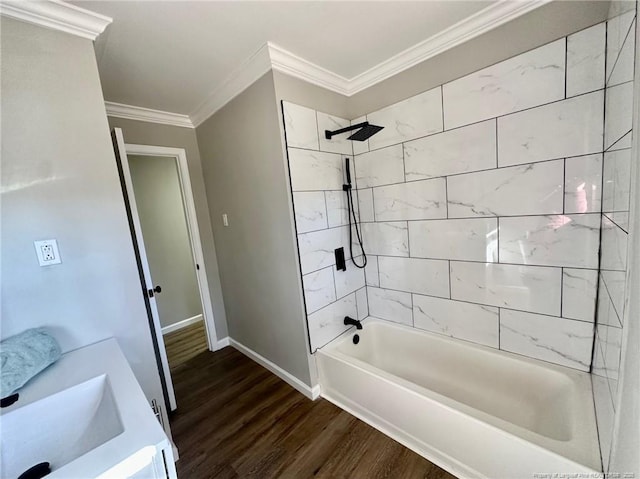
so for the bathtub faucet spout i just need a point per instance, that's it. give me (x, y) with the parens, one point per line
(352, 322)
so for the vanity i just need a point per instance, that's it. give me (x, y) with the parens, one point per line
(87, 416)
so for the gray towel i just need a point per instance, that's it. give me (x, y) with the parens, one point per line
(23, 356)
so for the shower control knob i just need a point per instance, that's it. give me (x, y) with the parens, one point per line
(152, 292)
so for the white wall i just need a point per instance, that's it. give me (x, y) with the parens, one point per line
(59, 180)
(161, 210)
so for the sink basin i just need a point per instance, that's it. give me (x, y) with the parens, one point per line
(59, 428)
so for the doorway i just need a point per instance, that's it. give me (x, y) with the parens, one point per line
(166, 235)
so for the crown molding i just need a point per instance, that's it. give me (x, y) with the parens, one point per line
(293, 65)
(57, 15)
(471, 27)
(130, 112)
(240, 79)
(271, 56)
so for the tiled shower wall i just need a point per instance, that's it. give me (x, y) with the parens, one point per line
(615, 220)
(480, 206)
(316, 168)
(485, 196)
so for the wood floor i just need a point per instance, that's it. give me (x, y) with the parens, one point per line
(235, 419)
(185, 343)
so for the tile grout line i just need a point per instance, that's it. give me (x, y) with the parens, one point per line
(485, 305)
(519, 165)
(497, 117)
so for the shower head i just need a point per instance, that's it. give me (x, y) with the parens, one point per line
(365, 131)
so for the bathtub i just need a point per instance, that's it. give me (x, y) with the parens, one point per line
(472, 410)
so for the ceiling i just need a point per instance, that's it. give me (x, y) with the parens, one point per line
(171, 55)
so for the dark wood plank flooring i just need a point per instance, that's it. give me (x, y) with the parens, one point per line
(185, 343)
(235, 419)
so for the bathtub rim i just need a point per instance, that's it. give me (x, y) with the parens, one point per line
(578, 379)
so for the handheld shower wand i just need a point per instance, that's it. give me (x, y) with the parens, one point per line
(348, 189)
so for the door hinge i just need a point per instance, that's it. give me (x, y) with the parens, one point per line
(155, 407)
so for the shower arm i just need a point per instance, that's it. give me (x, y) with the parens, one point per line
(328, 133)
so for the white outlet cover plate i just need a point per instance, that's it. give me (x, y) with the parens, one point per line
(47, 251)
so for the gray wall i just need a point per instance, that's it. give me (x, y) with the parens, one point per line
(59, 180)
(245, 176)
(545, 24)
(158, 195)
(312, 96)
(144, 133)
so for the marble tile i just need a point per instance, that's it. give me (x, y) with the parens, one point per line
(365, 205)
(380, 167)
(338, 143)
(623, 69)
(412, 118)
(417, 200)
(319, 289)
(583, 184)
(579, 294)
(605, 416)
(585, 60)
(311, 213)
(558, 240)
(393, 306)
(474, 239)
(527, 288)
(571, 127)
(314, 170)
(623, 143)
(521, 190)
(359, 147)
(371, 271)
(390, 239)
(615, 284)
(557, 340)
(300, 126)
(471, 148)
(350, 280)
(317, 248)
(613, 246)
(337, 213)
(619, 108)
(605, 314)
(598, 359)
(328, 323)
(621, 218)
(612, 347)
(617, 30)
(471, 322)
(362, 303)
(415, 275)
(524, 81)
(617, 181)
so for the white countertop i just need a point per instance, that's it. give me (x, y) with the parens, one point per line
(142, 431)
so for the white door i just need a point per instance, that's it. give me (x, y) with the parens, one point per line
(151, 288)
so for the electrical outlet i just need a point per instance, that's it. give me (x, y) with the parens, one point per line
(47, 251)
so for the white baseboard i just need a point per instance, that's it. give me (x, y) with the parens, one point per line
(181, 324)
(223, 343)
(311, 392)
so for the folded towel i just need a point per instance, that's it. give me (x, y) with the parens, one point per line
(23, 356)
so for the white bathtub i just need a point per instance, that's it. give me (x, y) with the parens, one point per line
(472, 410)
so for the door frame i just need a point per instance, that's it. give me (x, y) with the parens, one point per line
(180, 155)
